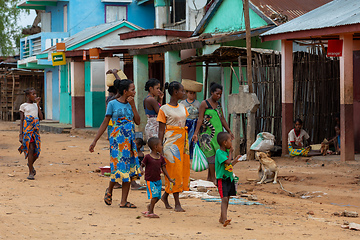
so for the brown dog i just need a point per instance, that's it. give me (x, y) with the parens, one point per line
(268, 170)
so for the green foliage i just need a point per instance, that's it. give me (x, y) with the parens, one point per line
(9, 30)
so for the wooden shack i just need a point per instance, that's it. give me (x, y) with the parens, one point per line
(13, 82)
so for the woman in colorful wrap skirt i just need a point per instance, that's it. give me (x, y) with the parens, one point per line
(173, 133)
(211, 121)
(296, 142)
(124, 162)
(29, 137)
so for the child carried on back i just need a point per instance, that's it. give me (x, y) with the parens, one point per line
(153, 164)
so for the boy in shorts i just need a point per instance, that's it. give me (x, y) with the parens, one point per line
(224, 173)
(153, 164)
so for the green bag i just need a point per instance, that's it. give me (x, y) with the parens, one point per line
(199, 162)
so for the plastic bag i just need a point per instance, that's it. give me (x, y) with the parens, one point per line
(199, 162)
(264, 142)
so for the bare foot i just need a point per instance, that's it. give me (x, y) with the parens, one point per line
(179, 209)
(166, 202)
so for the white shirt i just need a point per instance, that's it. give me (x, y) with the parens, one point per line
(298, 139)
(29, 109)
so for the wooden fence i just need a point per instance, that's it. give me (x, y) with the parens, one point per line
(316, 93)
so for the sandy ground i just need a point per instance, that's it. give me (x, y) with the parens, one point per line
(66, 199)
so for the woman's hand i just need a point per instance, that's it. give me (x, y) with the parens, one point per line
(232, 135)
(37, 100)
(131, 101)
(161, 95)
(194, 138)
(20, 138)
(92, 146)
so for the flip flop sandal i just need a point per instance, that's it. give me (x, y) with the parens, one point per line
(152, 215)
(107, 197)
(128, 205)
(139, 188)
(31, 177)
(34, 171)
(227, 222)
(145, 213)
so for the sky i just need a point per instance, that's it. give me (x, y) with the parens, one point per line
(26, 20)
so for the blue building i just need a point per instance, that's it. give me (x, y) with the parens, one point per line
(81, 24)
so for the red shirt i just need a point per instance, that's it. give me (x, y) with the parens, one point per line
(153, 167)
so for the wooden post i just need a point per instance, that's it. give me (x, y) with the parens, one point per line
(12, 96)
(6, 99)
(230, 92)
(236, 131)
(250, 136)
(248, 45)
(206, 80)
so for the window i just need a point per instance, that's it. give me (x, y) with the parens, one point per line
(115, 13)
(65, 18)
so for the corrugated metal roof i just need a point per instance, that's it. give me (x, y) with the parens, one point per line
(281, 11)
(333, 14)
(91, 32)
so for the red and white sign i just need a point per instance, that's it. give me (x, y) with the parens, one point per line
(335, 48)
(84, 55)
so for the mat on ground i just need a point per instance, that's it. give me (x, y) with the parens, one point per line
(233, 201)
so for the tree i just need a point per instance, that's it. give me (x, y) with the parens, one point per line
(9, 29)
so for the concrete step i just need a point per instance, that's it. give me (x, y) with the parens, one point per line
(54, 127)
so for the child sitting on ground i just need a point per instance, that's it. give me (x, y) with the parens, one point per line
(153, 164)
(336, 140)
(224, 173)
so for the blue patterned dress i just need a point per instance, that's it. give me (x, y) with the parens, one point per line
(124, 161)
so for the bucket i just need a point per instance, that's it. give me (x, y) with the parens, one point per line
(105, 169)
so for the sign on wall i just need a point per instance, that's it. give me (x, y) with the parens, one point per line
(58, 58)
(334, 48)
(94, 53)
(60, 47)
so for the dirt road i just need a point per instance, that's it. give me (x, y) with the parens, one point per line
(66, 199)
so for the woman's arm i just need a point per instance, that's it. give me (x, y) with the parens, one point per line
(226, 125)
(153, 103)
(133, 107)
(21, 126)
(200, 121)
(101, 130)
(294, 146)
(162, 127)
(41, 117)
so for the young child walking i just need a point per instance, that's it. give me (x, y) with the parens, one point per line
(153, 164)
(224, 173)
(29, 137)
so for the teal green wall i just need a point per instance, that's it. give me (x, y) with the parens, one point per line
(94, 102)
(65, 95)
(230, 17)
(199, 78)
(256, 43)
(94, 108)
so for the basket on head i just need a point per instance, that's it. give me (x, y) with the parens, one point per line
(110, 78)
(191, 85)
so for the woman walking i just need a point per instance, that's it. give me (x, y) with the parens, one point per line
(211, 121)
(152, 106)
(173, 133)
(123, 155)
